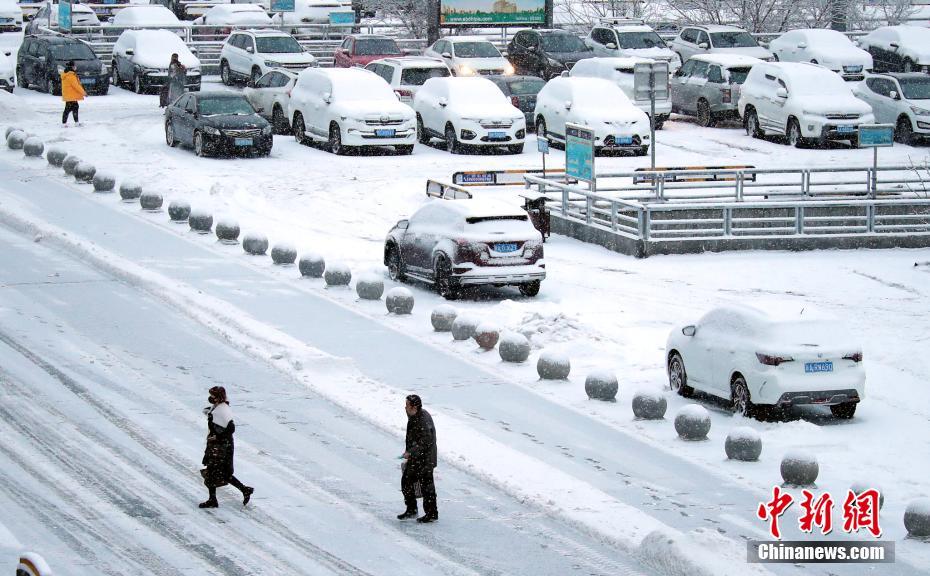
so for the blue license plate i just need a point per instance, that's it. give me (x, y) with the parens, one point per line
(88, 81)
(813, 367)
(385, 133)
(845, 129)
(853, 69)
(505, 247)
(623, 140)
(243, 142)
(497, 135)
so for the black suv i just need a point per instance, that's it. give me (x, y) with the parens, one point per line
(42, 59)
(546, 53)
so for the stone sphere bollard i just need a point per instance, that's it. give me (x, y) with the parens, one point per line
(70, 163)
(255, 244)
(84, 172)
(337, 274)
(442, 318)
(16, 139)
(283, 254)
(487, 335)
(369, 287)
(692, 422)
(649, 405)
(179, 211)
(151, 201)
(514, 347)
(860, 487)
(463, 327)
(33, 147)
(399, 301)
(602, 386)
(799, 468)
(917, 518)
(312, 265)
(104, 182)
(130, 190)
(227, 231)
(10, 130)
(743, 443)
(55, 156)
(553, 365)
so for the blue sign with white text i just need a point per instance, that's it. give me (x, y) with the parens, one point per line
(876, 135)
(579, 153)
(64, 16)
(341, 18)
(282, 5)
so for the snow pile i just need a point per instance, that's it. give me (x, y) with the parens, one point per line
(545, 327)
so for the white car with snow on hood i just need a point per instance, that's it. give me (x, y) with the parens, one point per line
(469, 56)
(349, 108)
(717, 39)
(220, 19)
(622, 37)
(620, 72)
(898, 48)
(141, 59)
(777, 355)
(829, 48)
(11, 25)
(249, 54)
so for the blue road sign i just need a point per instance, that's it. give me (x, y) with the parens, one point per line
(876, 135)
(579, 152)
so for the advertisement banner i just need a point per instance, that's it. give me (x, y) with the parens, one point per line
(492, 12)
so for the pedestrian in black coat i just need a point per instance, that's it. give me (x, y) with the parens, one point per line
(218, 455)
(420, 455)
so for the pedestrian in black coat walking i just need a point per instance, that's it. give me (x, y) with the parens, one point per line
(420, 455)
(218, 455)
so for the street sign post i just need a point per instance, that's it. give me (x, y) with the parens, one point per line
(64, 16)
(542, 144)
(650, 82)
(579, 154)
(875, 136)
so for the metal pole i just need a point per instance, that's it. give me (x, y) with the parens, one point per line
(874, 190)
(652, 118)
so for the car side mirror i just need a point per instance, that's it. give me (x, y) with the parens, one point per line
(130, 52)
(781, 93)
(894, 46)
(802, 45)
(893, 95)
(403, 224)
(610, 46)
(689, 331)
(703, 45)
(533, 49)
(250, 50)
(328, 98)
(568, 104)
(446, 55)
(443, 102)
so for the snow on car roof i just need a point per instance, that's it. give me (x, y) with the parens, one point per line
(718, 28)
(483, 208)
(614, 61)
(261, 32)
(148, 14)
(235, 9)
(621, 29)
(726, 60)
(414, 61)
(912, 33)
(801, 71)
(454, 39)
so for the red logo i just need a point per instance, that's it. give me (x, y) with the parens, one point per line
(860, 511)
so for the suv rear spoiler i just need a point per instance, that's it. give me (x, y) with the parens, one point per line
(444, 191)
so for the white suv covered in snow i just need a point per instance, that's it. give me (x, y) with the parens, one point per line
(805, 102)
(597, 104)
(625, 37)
(347, 108)
(469, 56)
(250, 54)
(620, 72)
(407, 74)
(468, 112)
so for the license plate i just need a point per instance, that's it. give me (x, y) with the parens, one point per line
(497, 135)
(385, 133)
(243, 141)
(853, 68)
(6, 20)
(812, 367)
(505, 247)
(845, 129)
(623, 140)
(88, 81)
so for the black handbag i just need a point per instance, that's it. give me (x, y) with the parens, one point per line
(417, 488)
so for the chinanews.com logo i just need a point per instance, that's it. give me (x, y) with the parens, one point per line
(860, 517)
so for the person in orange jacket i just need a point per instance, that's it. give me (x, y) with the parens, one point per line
(71, 92)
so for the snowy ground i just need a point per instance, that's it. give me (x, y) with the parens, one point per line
(604, 310)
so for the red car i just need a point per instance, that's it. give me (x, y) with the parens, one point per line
(362, 49)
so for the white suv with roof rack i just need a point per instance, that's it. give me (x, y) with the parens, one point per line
(407, 74)
(250, 54)
(717, 39)
(630, 37)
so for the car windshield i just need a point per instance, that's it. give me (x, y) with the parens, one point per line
(826, 85)
(516, 224)
(218, 106)
(915, 88)
(476, 50)
(563, 43)
(278, 45)
(417, 76)
(528, 86)
(376, 46)
(733, 40)
(738, 75)
(72, 52)
(637, 40)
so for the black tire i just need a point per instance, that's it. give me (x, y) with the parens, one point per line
(114, 75)
(255, 76)
(335, 140)
(515, 149)
(299, 129)
(405, 150)
(279, 121)
(200, 148)
(52, 88)
(530, 289)
(751, 124)
(904, 131)
(442, 276)
(705, 117)
(794, 134)
(659, 124)
(395, 266)
(452, 141)
(814, 62)
(844, 411)
(775, 56)
(170, 138)
(21, 79)
(740, 398)
(541, 127)
(422, 136)
(678, 377)
(225, 75)
(137, 84)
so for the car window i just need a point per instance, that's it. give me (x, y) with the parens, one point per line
(346, 43)
(640, 40)
(878, 86)
(375, 46)
(702, 38)
(278, 45)
(700, 69)
(476, 49)
(916, 88)
(280, 80)
(527, 86)
(715, 75)
(686, 68)
(418, 76)
(72, 51)
(738, 75)
(603, 36)
(183, 100)
(738, 39)
(562, 43)
(384, 71)
(220, 106)
(265, 81)
(689, 35)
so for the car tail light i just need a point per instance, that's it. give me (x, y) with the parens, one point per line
(515, 101)
(471, 251)
(855, 357)
(530, 248)
(727, 95)
(770, 360)
(404, 94)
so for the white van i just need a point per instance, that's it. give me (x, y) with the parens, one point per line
(11, 25)
(620, 72)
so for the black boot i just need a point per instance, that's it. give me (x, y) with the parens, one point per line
(408, 514)
(211, 503)
(247, 494)
(426, 518)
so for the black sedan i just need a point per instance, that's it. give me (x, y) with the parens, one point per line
(522, 91)
(546, 53)
(41, 60)
(217, 123)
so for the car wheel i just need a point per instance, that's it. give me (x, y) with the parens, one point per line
(256, 76)
(199, 146)
(299, 129)
(405, 150)
(742, 402)
(422, 136)
(452, 142)
(21, 79)
(515, 149)
(335, 140)
(908, 65)
(137, 84)
(704, 116)
(541, 128)
(845, 410)
(442, 275)
(395, 267)
(904, 132)
(794, 134)
(225, 76)
(814, 62)
(752, 124)
(641, 151)
(775, 56)
(114, 75)
(530, 289)
(677, 377)
(279, 121)
(169, 134)
(50, 87)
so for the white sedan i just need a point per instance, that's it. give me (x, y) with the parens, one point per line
(760, 358)
(829, 48)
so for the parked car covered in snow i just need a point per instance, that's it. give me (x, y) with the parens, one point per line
(620, 72)
(312, 12)
(141, 59)
(453, 244)
(11, 25)
(468, 112)
(348, 108)
(469, 56)
(717, 39)
(217, 123)
(47, 17)
(249, 54)
(546, 53)
(363, 49)
(220, 19)
(829, 48)
(620, 37)
(7, 79)
(42, 59)
(898, 48)
(779, 355)
(407, 74)
(804, 102)
(147, 16)
(271, 96)
(902, 99)
(708, 86)
(522, 91)
(598, 104)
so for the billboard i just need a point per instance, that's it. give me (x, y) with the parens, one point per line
(492, 12)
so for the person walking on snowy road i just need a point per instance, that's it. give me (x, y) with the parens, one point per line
(420, 456)
(177, 78)
(71, 92)
(218, 456)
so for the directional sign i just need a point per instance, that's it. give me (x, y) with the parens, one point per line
(579, 152)
(876, 135)
(542, 144)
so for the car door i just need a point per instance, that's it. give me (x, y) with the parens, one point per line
(319, 114)
(703, 43)
(260, 96)
(124, 59)
(432, 111)
(714, 88)
(698, 356)
(696, 82)
(779, 107)
(679, 87)
(341, 57)
(244, 54)
(517, 52)
(686, 43)
(184, 111)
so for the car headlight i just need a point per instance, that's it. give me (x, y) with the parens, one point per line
(920, 111)
(103, 68)
(266, 130)
(211, 130)
(465, 70)
(509, 70)
(475, 120)
(554, 62)
(811, 113)
(272, 64)
(195, 71)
